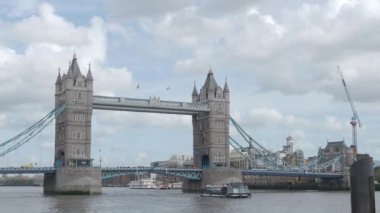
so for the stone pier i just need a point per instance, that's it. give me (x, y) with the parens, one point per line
(73, 181)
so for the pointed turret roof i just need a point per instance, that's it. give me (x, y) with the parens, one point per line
(69, 71)
(89, 74)
(58, 81)
(210, 83)
(225, 89)
(74, 67)
(195, 91)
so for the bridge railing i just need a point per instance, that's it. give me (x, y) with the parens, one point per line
(290, 173)
(194, 174)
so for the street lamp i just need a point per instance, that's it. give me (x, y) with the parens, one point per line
(100, 159)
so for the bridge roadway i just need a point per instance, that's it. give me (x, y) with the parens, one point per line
(194, 174)
(153, 104)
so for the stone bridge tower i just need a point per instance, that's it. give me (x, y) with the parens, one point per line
(211, 129)
(73, 127)
(72, 160)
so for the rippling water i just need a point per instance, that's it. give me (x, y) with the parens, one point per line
(31, 199)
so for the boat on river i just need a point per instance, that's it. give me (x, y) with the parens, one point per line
(231, 190)
(143, 184)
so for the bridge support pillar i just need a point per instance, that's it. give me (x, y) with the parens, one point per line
(362, 185)
(73, 181)
(213, 176)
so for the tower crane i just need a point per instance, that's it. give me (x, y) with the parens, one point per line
(355, 117)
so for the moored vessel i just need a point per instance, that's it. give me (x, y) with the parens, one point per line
(143, 184)
(231, 190)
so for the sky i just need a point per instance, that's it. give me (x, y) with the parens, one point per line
(279, 58)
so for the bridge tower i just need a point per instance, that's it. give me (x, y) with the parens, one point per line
(211, 129)
(75, 174)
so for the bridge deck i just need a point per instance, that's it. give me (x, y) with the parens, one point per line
(154, 105)
(194, 174)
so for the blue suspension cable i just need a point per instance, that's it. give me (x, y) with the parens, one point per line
(32, 131)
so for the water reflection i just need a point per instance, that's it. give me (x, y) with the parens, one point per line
(31, 199)
(73, 203)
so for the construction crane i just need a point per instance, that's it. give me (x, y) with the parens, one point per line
(355, 117)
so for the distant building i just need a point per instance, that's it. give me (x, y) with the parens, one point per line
(295, 159)
(335, 149)
(175, 161)
(240, 158)
(291, 146)
(291, 155)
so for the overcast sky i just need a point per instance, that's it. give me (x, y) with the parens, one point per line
(279, 58)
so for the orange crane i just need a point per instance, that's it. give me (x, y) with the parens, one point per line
(355, 117)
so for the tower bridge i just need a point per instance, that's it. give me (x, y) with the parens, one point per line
(73, 171)
(210, 118)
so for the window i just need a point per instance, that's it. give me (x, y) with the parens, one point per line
(78, 135)
(79, 117)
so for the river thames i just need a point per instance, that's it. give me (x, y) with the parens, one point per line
(31, 199)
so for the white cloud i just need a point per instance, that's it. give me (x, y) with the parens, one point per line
(265, 116)
(333, 124)
(294, 50)
(47, 27)
(113, 81)
(18, 8)
(144, 8)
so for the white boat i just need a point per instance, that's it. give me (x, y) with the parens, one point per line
(177, 185)
(147, 183)
(231, 190)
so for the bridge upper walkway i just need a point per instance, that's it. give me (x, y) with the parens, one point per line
(194, 174)
(153, 104)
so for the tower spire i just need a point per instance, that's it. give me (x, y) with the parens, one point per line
(89, 74)
(58, 81)
(225, 89)
(195, 91)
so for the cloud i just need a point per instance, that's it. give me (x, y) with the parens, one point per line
(48, 47)
(47, 27)
(144, 8)
(261, 117)
(113, 81)
(293, 50)
(18, 8)
(265, 116)
(333, 124)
